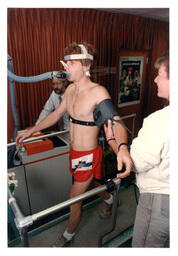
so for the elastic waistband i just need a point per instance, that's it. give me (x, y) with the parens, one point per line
(85, 151)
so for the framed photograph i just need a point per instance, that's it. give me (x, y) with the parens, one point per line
(130, 80)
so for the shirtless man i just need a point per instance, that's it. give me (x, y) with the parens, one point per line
(80, 100)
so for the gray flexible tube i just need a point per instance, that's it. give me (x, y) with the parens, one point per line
(12, 77)
(30, 79)
(12, 98)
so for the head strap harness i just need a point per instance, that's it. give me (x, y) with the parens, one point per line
(81, 56)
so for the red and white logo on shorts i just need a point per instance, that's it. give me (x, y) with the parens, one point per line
(83, 163)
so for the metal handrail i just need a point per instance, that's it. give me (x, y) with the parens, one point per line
(129, 116)
(23, 222)
(133, 123)
(38, 138)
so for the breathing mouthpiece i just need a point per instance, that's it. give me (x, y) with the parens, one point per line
(60, 75)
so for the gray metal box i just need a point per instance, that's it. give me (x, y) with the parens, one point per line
(47, 176)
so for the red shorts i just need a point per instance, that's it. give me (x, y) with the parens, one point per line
(84, 164)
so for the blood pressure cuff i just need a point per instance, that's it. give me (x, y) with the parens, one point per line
(104, 111)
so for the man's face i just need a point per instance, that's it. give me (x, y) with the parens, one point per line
(76, 70)
(57, 86)
(162, 82)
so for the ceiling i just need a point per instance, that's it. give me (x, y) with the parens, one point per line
(161, 14)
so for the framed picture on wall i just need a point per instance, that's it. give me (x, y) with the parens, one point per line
(130, 80)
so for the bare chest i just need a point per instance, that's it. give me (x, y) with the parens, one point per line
(81, 106)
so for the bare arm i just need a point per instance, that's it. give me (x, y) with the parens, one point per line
(123, 155)
(120, 135)
(110, 137)
(118, 132)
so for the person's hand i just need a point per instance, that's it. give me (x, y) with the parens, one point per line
(124, 161)
(108, 130)
(19, 139)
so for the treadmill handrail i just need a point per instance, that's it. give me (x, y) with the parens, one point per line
(39, 137)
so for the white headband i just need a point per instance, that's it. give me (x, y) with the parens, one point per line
(83, 55)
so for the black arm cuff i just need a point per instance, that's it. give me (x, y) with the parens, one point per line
(120, 145)
(110, 139)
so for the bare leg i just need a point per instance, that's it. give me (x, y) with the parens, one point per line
(108, 198)
(76, 209)
(105, 195)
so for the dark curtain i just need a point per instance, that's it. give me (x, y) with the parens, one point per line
(38, 36)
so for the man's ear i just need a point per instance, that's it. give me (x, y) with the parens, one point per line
(87, 67)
